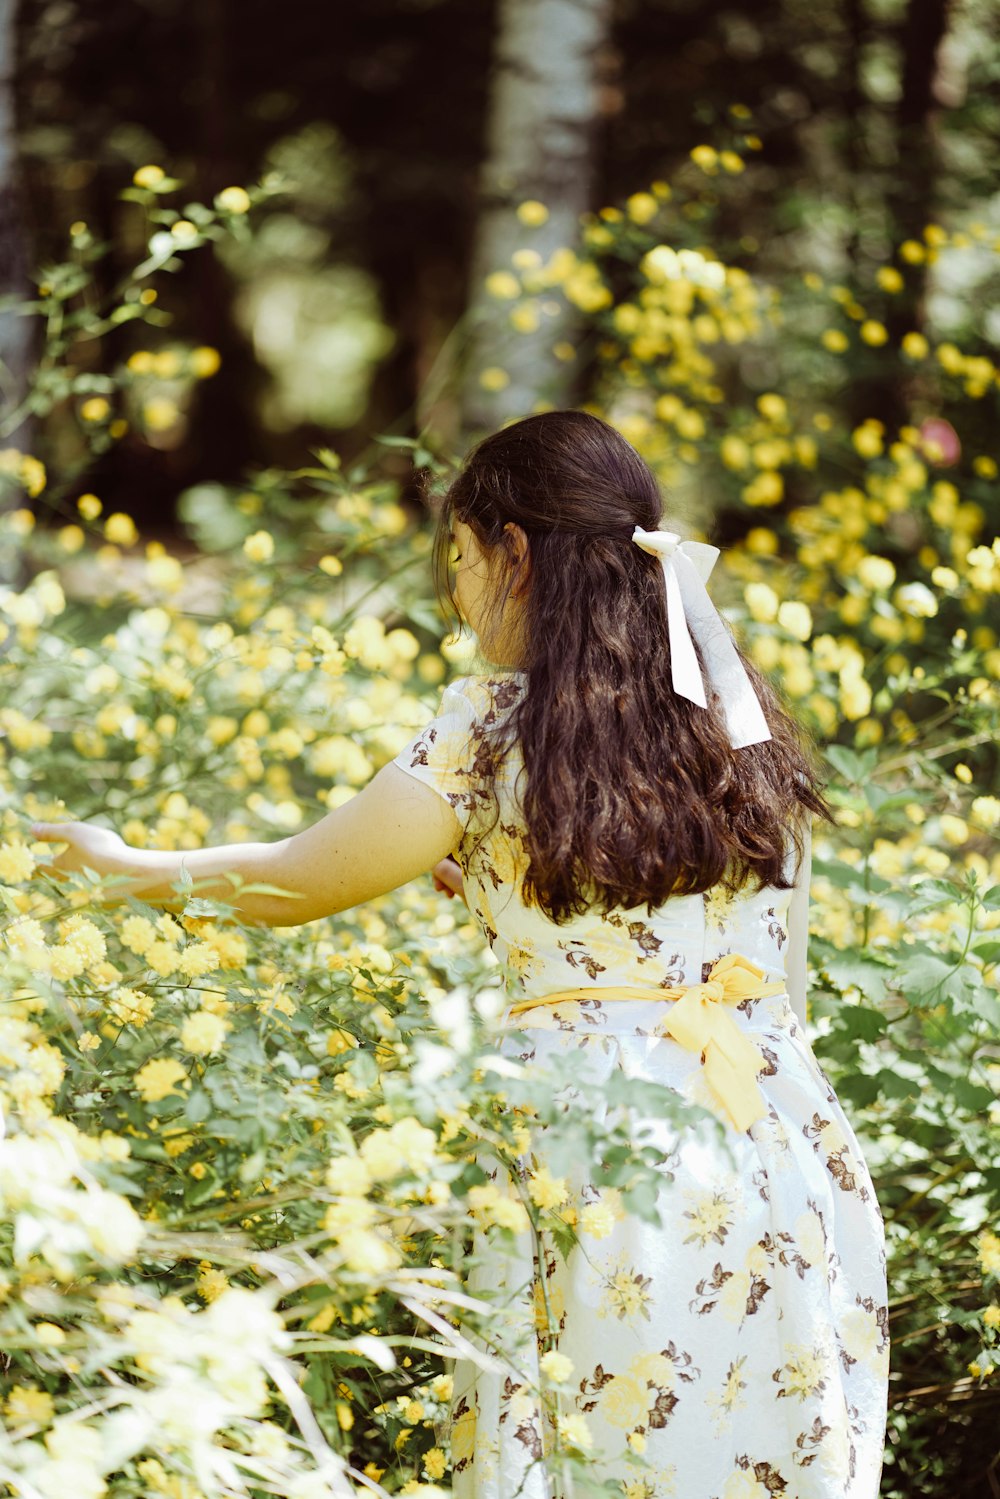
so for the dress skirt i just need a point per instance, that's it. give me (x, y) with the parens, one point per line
(739, 1350)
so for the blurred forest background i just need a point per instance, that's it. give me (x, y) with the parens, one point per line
(403, 124)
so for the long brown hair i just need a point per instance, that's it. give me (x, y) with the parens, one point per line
(632, 792)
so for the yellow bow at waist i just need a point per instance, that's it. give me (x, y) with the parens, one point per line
(700, 1022)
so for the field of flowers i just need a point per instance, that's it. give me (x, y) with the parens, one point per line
(240, 1163)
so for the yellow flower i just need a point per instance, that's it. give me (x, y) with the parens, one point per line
(148, 176)
(407, 1145)
(160, 414)
(889, 278)
(332, 566)
(348, 1175)
(137, 933)
(525, 317)
(986, 811)
(761, 602)
(705, 157)
(873, 332)
(233, 200)
(434, 1463)
(641, 207)
(120, 529)
(17, 863)
(574, 1431)
(204, 361)
(597, 1219)
(545, 1190)
(915, 346)
(28, 1405)
(912, 251)
(834, 339)
(991, 1316)
(198, 959)
(555, 1366)
(733, 451)
(796, 618)
(532, 212)
(49, 1334)
(507, 1212)
(494, 378)
(95, 409)
(503, 284)
(855, 697)
(259, 547)
(89, 506)
(989, 1253)
(203, 1033)
(71, 538)
(772, 407)
(876, 573)
(158, 1077)
(767, 489)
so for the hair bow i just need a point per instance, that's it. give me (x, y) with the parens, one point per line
(690, 612)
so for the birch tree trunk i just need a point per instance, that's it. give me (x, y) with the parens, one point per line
(539, 146)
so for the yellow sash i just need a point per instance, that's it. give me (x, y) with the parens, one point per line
(699, 1022)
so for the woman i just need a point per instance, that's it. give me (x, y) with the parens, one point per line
(628, 805)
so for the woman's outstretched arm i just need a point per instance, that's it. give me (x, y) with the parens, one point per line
(393, 830)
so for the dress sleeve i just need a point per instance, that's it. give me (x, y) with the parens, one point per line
(445, 752)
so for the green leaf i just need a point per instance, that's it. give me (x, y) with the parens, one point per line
(199, 1192)
(840, 874)
(211, 519)
(894, 1085)
(923, 973)
(972, 1096)
(199, 1106)
(254, 1166)
(859, 1089)
(855, 970)
(854, 767)
(859, 1023)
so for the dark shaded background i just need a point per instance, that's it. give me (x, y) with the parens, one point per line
(874, 120)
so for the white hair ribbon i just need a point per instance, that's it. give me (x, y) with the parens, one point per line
(690, 612)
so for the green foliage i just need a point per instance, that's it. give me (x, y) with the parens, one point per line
(272, 1144)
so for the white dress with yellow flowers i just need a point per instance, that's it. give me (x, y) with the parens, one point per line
(741, 1350)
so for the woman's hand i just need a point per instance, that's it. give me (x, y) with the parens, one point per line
(100, 849)
(448, 878)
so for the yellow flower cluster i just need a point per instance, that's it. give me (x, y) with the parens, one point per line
(26, 471)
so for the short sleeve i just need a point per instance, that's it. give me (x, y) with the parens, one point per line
(445, 753)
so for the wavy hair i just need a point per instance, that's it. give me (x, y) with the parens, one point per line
(632, 793)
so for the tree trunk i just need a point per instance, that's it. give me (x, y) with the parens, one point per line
(913, 195)
(15, 332)
(539, 146)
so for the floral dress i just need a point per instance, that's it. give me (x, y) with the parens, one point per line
(739, 1351)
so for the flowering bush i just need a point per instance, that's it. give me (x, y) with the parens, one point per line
(239, 1168)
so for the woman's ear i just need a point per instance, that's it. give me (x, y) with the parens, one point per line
(522, 556)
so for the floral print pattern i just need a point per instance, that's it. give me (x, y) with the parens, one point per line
(738, 1350)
